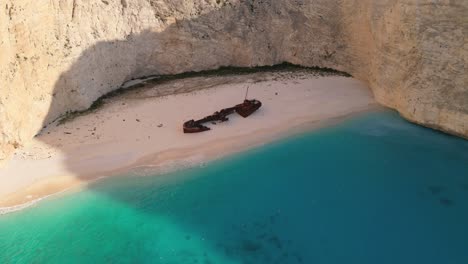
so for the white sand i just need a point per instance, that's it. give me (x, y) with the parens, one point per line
(103, 144)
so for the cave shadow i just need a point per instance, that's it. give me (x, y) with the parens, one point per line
(228, 36)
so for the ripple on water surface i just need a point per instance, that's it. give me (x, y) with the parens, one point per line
(374, 189)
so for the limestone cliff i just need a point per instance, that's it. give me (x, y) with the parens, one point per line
(60, 55)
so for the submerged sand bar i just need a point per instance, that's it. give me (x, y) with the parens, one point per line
(143, 128)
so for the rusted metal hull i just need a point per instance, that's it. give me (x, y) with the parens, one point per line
(192, 126)
(245, 109)
(248, 107)
(189, 130)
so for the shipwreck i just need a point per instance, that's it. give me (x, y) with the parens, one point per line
(244, 109)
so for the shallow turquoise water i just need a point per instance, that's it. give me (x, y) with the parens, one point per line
(374, 189)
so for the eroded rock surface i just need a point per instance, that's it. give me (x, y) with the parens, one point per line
(61, 55)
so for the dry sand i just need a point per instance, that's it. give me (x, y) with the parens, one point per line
(142, 128)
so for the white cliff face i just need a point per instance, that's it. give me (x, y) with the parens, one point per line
(61, 55)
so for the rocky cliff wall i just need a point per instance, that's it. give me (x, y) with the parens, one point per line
(60, 55)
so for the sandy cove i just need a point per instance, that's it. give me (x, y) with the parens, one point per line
(142, 128)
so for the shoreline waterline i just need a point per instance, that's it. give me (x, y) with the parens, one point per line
(143, 126)
(173, 160)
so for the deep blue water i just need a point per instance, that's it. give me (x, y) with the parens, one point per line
(372, 190)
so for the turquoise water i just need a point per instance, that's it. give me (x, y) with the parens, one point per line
(374, 189)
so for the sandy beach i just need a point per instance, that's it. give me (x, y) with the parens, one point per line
(144, 128)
